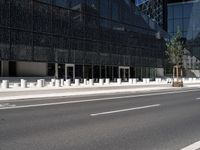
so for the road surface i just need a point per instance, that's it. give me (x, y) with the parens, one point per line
(165, 120)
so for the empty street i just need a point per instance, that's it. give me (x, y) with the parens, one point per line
(165, 120)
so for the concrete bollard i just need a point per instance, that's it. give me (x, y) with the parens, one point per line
(84, 81)
(51, 84)
(16, 85)
(91, 82)
(130, 81)
(57, 83)
(5, 84)
(158, 80)
(43, 82)
(53, 80)
(101, 81)
(77, 82)
(68, 82)
(119, 81)
(134, 81)
(147, 80)
(61, 82)
(39, 83)
(107, 81)
(23, 83)
(144, 80)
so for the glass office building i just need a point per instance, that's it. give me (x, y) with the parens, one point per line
(77, 39)
(185, 15)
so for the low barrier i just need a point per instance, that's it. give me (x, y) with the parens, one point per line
(57, 83)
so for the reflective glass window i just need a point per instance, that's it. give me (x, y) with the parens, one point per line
(170, 25)
(61, 3)
(170, 12)
(46, 1)
(115, 11)
(178, 11)
(178, 24)
(186, 24)
(187, 10)
(92, 3)
(104, 8)
(73, 3)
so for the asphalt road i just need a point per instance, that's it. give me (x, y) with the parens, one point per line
(158, 121)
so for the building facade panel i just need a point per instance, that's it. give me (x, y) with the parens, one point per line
(87, 33)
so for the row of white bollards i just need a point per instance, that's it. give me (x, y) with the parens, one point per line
(77, 82)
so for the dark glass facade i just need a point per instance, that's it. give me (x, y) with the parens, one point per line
(96, 36)
(186, 17)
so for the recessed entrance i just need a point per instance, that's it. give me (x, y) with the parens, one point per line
(70, 71)
(124, 73)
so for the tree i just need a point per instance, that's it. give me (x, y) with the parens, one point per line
(175, 52)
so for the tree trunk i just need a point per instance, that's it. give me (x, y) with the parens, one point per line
(177, 73)
(173, 73)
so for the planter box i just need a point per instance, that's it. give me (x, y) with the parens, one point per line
(177, 84)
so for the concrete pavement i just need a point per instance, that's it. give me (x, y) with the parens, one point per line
(11, 94)
(171, 125)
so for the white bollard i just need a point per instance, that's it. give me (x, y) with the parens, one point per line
(16, 85)
(91, 82)
(43, 83)
(84, 81)
(101, 81)
(23, 83)
(51, 84)
(130, 81)
(134, 81)
(119, 81)
(107, 81)
(53, 80)
(61, 82)
(5, 84)
(77, 82)
(57, 83)
(68, 82)
(144, 81)
(39, 83)
(147, 80)
(158, 80)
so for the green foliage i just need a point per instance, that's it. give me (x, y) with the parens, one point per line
(175, 49)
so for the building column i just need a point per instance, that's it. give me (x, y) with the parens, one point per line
(56, 70)
(83, 71)
(66, 77)
(100, 71)
(105, 71)
(92, 69)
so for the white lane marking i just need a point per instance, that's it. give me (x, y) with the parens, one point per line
(7, 105)
(98, 99)
(194, 146)
(124, 110)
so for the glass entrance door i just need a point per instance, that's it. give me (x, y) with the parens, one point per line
(69, 71)
(124, 73)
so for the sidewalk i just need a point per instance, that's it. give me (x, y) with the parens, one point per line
(80, 91)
